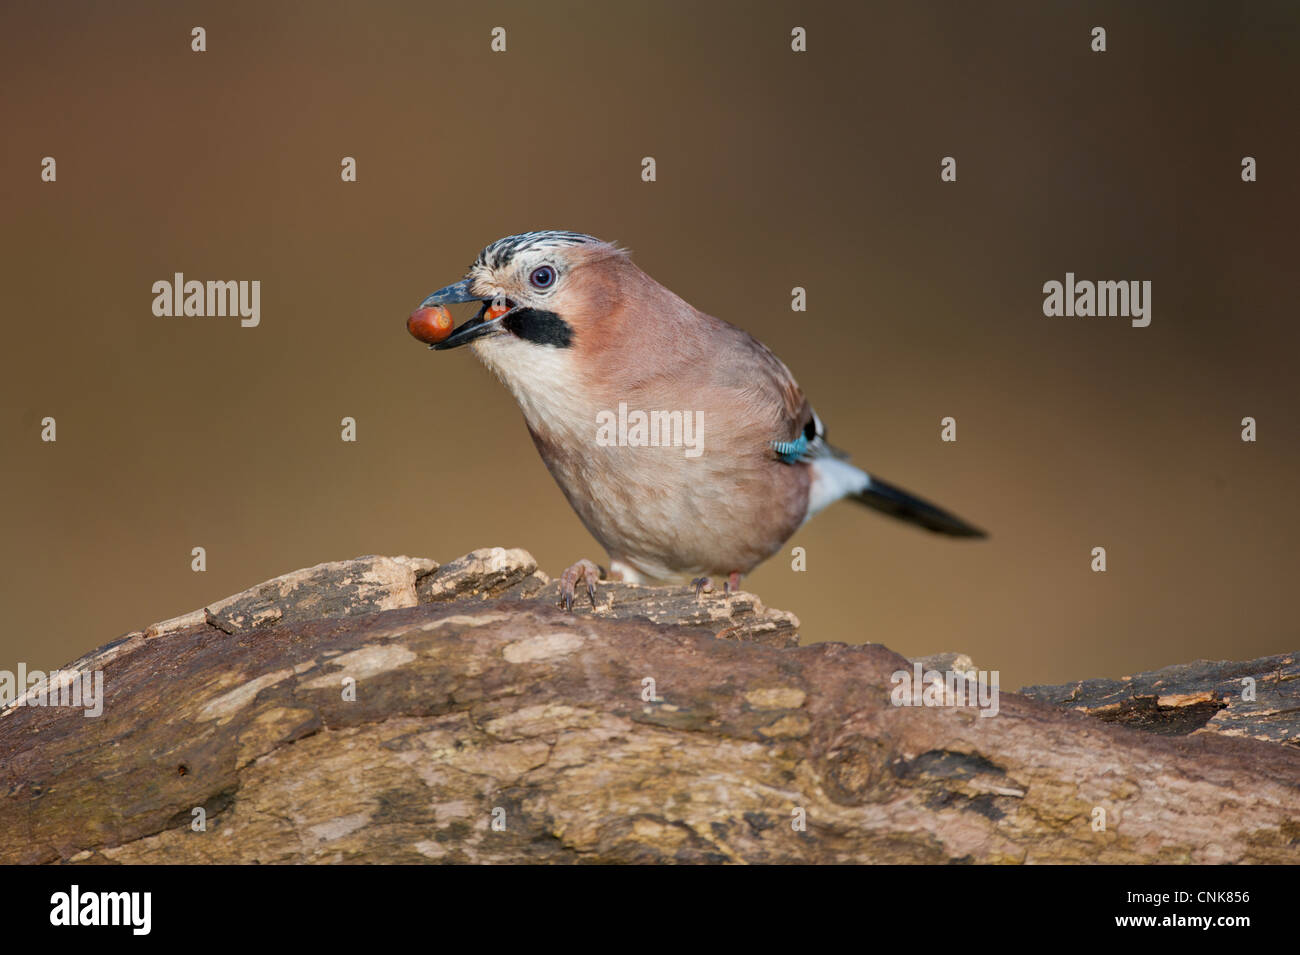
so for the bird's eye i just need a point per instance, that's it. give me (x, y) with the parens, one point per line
(543, 277)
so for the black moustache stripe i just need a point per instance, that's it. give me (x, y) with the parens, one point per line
(540, 327)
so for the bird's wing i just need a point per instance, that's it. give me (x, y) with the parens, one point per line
(790, 427)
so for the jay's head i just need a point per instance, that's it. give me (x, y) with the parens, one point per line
(539, 290)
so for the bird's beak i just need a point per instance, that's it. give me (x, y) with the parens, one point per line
(476, 327)
(453, 294)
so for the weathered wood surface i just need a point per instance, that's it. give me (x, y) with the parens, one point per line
(1256, 698)
(476, 699)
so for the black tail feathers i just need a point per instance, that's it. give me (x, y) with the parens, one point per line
(898, 503)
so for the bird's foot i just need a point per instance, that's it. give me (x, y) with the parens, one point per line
(704, 585)
(588, 573)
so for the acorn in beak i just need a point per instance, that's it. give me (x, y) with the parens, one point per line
(430, 322)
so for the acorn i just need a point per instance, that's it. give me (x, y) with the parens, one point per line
(430, 325)
(498, 307)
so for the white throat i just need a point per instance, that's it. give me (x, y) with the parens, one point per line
(544, 383)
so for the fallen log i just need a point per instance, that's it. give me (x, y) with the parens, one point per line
(394, 710)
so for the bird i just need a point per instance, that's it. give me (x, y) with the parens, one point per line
(579, 334)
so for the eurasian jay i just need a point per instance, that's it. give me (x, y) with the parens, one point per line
(579, 334)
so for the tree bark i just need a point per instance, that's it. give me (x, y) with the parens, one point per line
(392, 710)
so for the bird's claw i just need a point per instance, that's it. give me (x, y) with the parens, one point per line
(703, 585)
(585, 571)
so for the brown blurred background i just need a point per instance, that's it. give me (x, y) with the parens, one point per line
(775, 169)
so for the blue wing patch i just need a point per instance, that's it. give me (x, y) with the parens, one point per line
(791, 451)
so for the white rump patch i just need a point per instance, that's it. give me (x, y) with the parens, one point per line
(832, 479)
